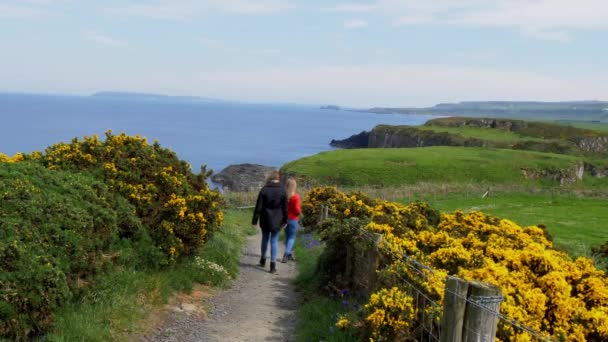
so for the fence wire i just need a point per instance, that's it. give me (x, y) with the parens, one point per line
(428, 310)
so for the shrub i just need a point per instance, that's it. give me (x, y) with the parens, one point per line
(54, 230)
(543, 288)
(175, 205)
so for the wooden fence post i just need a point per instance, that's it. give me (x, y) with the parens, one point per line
(365, 265)
(321, 215)
(481, 319)
(454, 307)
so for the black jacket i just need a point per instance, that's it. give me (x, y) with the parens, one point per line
(271, 207)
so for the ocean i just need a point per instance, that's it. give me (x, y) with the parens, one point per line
(215, 134)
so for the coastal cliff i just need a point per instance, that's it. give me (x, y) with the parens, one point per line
(384, 136)
(509, 133)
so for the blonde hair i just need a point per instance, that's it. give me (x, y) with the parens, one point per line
(274, 176)
(291, 186)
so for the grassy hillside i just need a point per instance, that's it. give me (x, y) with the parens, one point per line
(389, 167)
(489, 134)
(455, 178)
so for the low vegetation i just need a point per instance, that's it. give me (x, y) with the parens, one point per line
(123, 302)
(87, 215)
(542, 287)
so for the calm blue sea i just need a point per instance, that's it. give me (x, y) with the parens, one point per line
(215, 134)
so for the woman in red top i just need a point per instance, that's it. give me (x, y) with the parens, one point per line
(293, 215)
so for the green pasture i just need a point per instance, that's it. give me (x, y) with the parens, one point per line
(390, 167)
(575, 223)
(487, 134)
(598, 126)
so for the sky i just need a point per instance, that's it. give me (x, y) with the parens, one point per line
(351, 53)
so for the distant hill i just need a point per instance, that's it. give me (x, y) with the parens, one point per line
(572, 110)
(153, 97)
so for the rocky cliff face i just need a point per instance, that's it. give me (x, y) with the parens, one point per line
(355, 141)
(243, 177)
(404, 136)
(598, 145)
(596, 170)
(565, 177)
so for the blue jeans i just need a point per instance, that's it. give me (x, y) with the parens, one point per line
(290, 235)
(274, 244)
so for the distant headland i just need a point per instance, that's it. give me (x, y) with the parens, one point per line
(567, 110)
(153, 97)
(331, 107)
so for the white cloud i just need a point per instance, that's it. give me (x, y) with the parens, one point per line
(416, 19)
(252, 6)
(30, 9)
(102, 38)
(355, 24)
(542, 19)
(351, 7)
(46, 2)
(186, 10)
(558, 36)
(8, 11)
(265, 51)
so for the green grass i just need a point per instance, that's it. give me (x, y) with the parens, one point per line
(575, 223)
(490, 134)
(598, 126)
(318, 312)
(121, 300)
(389, 167)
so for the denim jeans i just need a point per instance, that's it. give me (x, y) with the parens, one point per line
(274, 243)
(290, 235)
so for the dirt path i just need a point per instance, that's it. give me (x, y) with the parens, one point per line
(259, 306)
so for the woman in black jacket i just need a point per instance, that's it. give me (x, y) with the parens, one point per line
(271, 212)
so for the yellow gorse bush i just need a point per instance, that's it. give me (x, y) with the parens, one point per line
(18, 157)
(176, 205)
(543, 288)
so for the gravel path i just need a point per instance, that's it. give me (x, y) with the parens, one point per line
(259, 306)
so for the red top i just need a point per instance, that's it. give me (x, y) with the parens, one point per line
(293, 207)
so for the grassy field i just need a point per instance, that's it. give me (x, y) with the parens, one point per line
(598, 126)
(388, 167)
(454, 178)
(575, 223)
(489, 134)
(120, 304)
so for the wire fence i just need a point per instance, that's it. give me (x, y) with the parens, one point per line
(429, 313)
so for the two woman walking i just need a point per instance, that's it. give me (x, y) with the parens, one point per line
(277, 208)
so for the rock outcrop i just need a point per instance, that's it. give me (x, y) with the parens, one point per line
(596, 171)
(355, 141)
(243, 177)
(564, 176)
(404, 136)
(594, 145)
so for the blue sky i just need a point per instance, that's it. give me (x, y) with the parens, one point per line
(354, 53)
